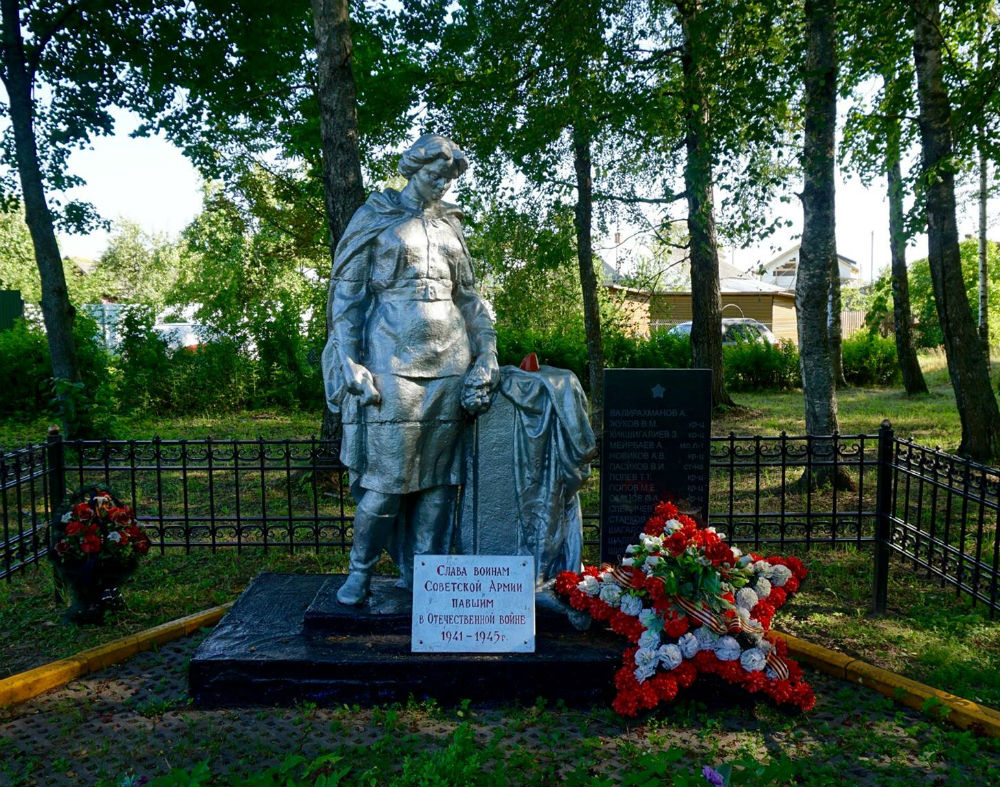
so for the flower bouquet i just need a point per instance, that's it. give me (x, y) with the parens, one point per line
(95, 546)
(690, 604)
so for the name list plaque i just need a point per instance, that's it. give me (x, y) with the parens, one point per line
(657, 432)
(473, 604)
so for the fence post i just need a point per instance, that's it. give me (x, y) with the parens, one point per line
(56, 478)
(883, 508)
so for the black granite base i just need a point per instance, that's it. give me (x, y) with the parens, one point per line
(287, 639)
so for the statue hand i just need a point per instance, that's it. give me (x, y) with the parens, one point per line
(488, 367)
(360, 382)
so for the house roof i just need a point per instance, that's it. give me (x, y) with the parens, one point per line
(780, 258)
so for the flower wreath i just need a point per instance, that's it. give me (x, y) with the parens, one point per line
(690, 604)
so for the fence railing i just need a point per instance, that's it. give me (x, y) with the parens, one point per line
(936, 510)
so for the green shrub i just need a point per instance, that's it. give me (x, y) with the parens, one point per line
(143, 362)
(213, 377)
(870, 359)
(757, 366)
(24, 358)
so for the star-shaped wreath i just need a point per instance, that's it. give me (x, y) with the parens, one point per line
(690, 604)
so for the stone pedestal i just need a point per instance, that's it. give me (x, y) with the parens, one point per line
(287, 639)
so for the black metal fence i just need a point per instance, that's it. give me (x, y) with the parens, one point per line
(936, 510)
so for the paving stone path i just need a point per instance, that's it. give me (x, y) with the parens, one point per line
(133, 722)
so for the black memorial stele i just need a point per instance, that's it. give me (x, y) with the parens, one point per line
(657, 432)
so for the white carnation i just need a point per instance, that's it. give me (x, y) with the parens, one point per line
(746, 598)
(651, 543)
(649, 639)
(753, 660)
(611, 593)
(762, 587)
(688, 645)
(744, 561)
(631, 605)
(780, 575)
(67, 516)
(670, 656)
(627, 562)
(763, 568)
(644, 656)
(650, 620)
(727, 648)
(115, 536)
(737, 553)
(631, 549)
(673, 525)
(589, 585)
(706, 638)
(644, 673)
(652, 562)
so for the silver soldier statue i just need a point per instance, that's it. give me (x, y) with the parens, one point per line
(411, 346)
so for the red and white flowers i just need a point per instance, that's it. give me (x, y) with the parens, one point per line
(691, 604)
(99, 527)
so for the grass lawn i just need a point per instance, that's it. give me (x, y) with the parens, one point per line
(929, 635)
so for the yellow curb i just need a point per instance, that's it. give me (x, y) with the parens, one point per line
(961, 712)
(25, 685)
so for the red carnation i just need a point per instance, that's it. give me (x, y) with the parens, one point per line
(685, 674)
(90, 544)
(666, 509)
(791, 585)
(62, 547)
(566, 582)
(82, 511)
(654, 526)
(73, 527)
(676, 543)
(677, 627)
(777, 597)
(142, 546)
(120, 516)
(665, 686)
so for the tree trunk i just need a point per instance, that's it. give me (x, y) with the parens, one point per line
(967, 365)
(984, 274)
(913, 377)
(58, 313)
(818, 251)
(833, 324)
(706, 302)
(338, 121)
(588, 276)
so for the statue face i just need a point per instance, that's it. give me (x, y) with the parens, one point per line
(432, 180)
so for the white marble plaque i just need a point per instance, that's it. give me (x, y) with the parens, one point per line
(473, 604)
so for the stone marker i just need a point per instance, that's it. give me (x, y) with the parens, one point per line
(657, 431)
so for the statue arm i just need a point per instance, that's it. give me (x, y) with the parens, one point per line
(347, 307)
(485, 372)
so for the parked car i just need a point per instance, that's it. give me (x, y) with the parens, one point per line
(734, 330)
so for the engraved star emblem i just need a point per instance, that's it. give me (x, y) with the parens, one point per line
(658, 391)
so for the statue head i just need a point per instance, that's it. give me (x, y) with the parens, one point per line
(430, 148)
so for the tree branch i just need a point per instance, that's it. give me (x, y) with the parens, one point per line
(33, 53)
(605, 197)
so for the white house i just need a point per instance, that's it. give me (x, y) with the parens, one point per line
(783, 270)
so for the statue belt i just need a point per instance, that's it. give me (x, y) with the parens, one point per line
(417, 290)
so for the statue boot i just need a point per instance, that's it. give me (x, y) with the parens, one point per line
(371, 532)
(429, 531)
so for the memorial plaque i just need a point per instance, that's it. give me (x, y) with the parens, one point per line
(657, 432)
(473, 604)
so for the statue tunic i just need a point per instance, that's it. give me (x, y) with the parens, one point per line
(413, 322)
